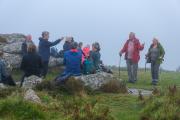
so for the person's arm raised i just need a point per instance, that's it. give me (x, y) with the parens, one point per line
(55, 42)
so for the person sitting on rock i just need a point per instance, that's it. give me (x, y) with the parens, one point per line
(68, 44)
(95, 55)
(31, 63)
(44, 50)
(72, 62)
(4, 77)
(24, 44)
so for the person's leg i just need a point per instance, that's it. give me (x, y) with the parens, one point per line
(129, 70)
(156, 72)
(152, 72)
(22, 79)
(45, 68)
(134, 71)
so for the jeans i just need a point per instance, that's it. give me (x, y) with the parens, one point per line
(132, 70)
(155, 71)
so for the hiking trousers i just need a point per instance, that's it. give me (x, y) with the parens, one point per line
(132, 70)
(45, 68)
(155, 71)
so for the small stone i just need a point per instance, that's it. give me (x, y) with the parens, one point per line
(31, 95)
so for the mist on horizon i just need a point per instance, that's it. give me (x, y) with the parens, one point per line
(107, 22)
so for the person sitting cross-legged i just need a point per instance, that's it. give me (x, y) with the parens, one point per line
(72, 62)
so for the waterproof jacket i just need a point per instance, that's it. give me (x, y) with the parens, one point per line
(44, 48)
(137, 48)
(72, 62)
(161, 53)
(95, 56)
(31, 64)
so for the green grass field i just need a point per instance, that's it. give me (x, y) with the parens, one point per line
(122, 106)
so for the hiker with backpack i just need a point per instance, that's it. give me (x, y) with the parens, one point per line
(5, 78)
(44, 50)
(132, 49)
(31, 63)
(72, 62)
(155, 56)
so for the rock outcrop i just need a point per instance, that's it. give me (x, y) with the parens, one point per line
(31, 82)
(95, 81)
(10, 44)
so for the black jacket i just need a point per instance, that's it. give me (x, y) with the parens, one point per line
(31, 64)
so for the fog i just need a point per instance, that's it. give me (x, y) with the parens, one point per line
(106, 21)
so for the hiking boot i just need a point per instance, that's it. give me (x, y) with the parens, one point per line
(130, 81)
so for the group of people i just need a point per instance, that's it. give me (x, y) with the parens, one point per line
(132, 49)
(80, 60)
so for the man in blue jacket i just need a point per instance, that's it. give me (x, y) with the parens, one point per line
(44, 50)
(72, 62)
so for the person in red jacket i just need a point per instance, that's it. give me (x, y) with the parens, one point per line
(132, 49)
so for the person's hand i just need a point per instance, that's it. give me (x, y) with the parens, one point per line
(120, 54)
(143, 44)
(62, 38)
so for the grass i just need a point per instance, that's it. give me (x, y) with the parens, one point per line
(120, 106)
(144, 80)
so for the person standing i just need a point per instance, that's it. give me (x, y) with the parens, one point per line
(31, 63)
(132, 49)
(44, 50)
(155, 56)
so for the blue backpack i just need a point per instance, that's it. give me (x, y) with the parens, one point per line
(88, 67)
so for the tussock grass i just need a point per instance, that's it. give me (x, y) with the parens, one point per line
(163, 107)
(114, 86)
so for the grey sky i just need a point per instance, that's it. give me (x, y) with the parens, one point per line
(106, 21)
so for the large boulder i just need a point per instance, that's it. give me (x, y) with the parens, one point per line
(31, 82)
(95, 81)
(10, 44)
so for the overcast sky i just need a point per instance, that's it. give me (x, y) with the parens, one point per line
(106, 21)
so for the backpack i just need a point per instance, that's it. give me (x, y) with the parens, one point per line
(88, 67)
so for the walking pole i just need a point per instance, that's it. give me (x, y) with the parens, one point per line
(120, 67)
(145, 66)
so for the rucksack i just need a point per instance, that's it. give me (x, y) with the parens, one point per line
(88, 67)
